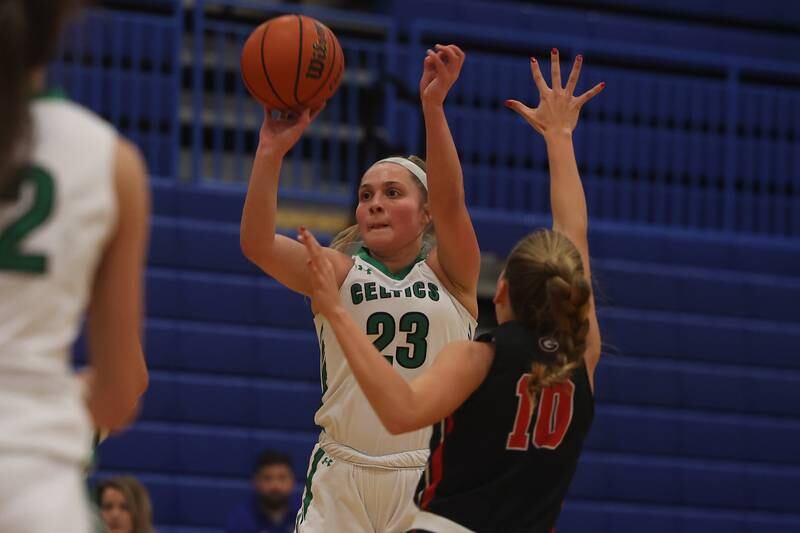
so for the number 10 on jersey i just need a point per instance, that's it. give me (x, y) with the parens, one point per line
(552, 421)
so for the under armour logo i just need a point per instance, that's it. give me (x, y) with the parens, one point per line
(327, 461)
(360, 268)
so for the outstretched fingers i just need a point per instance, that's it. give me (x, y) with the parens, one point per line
(572, 82)
(538, 79)
(555, 69)
(518, 107)
(591, 93)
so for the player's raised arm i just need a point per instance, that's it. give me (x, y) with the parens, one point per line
(457, 251)
(281, 257)
(555, 119)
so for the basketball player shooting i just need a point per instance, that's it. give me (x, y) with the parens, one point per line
(407, 273)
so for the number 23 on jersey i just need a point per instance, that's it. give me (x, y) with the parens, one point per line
(554, 415)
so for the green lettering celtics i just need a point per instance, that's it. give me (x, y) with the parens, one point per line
(369, 291)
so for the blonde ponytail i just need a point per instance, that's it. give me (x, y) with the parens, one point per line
(549, 293)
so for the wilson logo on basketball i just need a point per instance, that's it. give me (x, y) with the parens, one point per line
(319, 54)
(291, 63)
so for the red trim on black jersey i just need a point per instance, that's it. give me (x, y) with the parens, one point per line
(436, 467)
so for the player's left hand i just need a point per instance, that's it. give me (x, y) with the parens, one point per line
(439, 73)
(559, 108)
(325, 291)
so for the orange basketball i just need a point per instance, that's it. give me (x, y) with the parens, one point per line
(292, 62)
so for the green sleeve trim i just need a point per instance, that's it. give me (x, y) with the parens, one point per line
(50, 94)
(363, 253)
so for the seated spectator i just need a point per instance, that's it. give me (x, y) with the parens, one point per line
(271, 507)
(125, 505)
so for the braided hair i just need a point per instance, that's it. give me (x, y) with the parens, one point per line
(549, 293)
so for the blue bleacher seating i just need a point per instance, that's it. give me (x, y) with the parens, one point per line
(123, 66)
(206, 450)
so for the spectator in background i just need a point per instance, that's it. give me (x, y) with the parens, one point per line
(271, 507)
(125, 506)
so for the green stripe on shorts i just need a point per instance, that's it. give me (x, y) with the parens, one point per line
(323, 370)
(308, 494)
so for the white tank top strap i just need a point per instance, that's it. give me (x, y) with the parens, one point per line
(411, 459)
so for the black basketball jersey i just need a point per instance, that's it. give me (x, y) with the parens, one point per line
(499, 465)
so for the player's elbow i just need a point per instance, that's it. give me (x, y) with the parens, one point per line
(395, 428)
(254, 249)
(128, 406)
(133, 383)
(249, 248)
(114, 398)
(114, 413)
(400, 423)
(141, 382)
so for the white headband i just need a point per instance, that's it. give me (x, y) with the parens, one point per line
(408, 165)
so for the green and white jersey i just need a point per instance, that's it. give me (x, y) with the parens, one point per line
(409, 316)
(52, 236)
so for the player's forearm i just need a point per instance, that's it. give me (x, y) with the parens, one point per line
(388, 393)
(116, 385)
(445, 178)
(257, 230)
(567, 199)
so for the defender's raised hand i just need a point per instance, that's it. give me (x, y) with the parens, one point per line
(558, 109)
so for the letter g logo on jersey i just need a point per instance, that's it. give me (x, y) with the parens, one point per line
(548, 344)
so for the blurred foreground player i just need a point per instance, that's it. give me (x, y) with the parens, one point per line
(73, 230)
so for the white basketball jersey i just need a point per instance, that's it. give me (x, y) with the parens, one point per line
(51, 239)
(409, 316)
